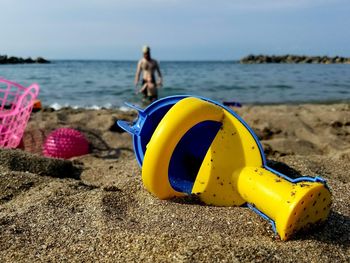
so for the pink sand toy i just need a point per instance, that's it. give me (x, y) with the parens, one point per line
(65, 143)
(16, 103)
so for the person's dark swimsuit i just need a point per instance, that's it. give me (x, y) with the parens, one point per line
(144, 92)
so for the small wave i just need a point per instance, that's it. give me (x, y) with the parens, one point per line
(58, 106)
(98, 107)
(229, 87)
(339, 85)
(124, 109)
(280, 86)
(94, 107)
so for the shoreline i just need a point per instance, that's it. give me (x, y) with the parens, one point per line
(48, 213)
(124, 108)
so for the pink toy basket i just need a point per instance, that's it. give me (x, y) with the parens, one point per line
(16, 103)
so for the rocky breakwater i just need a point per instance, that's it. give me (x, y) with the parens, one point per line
(18, 60)
(291, 59)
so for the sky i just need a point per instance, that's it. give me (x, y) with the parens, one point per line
(175, 29)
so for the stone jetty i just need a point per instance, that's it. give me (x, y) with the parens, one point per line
(4, 59)
(292, 59)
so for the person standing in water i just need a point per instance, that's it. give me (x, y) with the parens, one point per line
(148, 67)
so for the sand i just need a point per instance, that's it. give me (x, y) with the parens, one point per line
(94, 208)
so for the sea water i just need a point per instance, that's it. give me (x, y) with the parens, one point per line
(96, 84)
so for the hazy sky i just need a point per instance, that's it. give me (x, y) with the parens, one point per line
(175, 29)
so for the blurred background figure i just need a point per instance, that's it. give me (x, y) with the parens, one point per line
(148, 67)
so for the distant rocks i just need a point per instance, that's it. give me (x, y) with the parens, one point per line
(291, 59)
(18, 60)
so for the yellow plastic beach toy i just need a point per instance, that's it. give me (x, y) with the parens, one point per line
(200, 147)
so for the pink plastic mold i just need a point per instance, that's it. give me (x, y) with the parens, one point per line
(65, 143)
(16, 104)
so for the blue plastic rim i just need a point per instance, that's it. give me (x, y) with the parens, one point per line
(148, 119)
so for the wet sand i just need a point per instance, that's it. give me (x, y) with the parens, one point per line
(95, 208)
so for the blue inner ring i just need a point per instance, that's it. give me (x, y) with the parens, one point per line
(189, 154)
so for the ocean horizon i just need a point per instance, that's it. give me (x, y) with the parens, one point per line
(109, 83)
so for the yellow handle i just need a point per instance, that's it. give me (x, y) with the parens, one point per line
(179, 119)
(291, 205)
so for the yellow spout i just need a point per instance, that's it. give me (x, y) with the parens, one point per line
(292, 206)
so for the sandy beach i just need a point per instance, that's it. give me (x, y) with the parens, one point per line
(94, 208)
